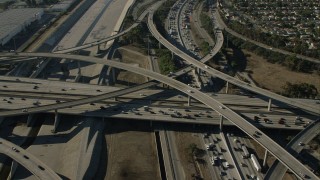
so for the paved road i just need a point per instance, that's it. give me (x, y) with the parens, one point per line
(27, 160)
(223, 76)
(292, 163)
(278, 170)
(101, 41)
(270, 48)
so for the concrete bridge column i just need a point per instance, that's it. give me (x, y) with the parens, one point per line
(29, 120)
(265, 158)
(56, 121)
(189, 100)
(227, 87)
(99, 49)
(159, 45)
(221, 122)
(13, 169)
(113, 75)
(115, 99)
(79, 68)
(172, 55)
(269, 104)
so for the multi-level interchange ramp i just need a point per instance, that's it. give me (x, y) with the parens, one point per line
(280, 153)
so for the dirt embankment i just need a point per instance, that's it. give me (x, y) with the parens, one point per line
(131, 55)
(274, 76)
(132, 151)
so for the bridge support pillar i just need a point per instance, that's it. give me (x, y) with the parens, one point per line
(269, 104)
(221, 122)
(113, 75)
(159, 45)
(13, 169)
(1, 120)
(189, 100)
(227, 87)
(115, 99)
(79, 68)
(99, 49)
(56, 121)
(172, 55)
(29, 120)
(265, 158)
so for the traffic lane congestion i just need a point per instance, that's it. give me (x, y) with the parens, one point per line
(292, 163)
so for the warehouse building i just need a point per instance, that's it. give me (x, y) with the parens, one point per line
(14, 21)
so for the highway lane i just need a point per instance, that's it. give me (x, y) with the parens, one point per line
(27, 160)
(292, 163)
(278, 170)
(88, 45)
(78, 102)
(134, 100)
(269, 48)
(223, 76)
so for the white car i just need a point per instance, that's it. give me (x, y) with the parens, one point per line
(189, 91)
(24, 110)
(221, 107)
(206, 66)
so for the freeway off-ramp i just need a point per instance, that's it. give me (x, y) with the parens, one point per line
(287, 159)
(35, 166)
(223, 76)
(277, 170)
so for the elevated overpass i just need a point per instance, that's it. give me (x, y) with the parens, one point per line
(214, 72)
(275, 149)
(27, 160)
(277, 170)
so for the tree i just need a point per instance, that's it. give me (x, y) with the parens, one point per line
(194, 150)
(302, 90)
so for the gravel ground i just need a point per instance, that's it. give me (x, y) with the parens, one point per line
(131, 150)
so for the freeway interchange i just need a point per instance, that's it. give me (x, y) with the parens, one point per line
(280, 153)
(275, 149)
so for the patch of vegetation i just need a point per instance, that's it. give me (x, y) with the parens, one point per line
(207, 24)
(166, 63)
(291, 62)
(302, 90)
(205, 47)
(271, 39)
(136, 35)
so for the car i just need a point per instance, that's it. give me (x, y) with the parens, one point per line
(221, 107)
(15, 149)
(206, 66)
(301, 143)
(24, 110)
(189, 91)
